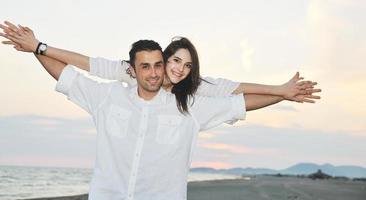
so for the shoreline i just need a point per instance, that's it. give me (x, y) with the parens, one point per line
(264, 187)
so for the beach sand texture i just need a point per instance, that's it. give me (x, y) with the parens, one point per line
(267, 187)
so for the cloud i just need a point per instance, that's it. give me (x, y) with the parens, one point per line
(46, 141)
(247, 55)
(227, 148)
(281, 107)
(216, 165)
(250, 145)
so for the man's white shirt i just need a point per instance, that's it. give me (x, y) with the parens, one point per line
(144, 148)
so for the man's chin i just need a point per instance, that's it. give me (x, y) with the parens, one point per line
(154, 89)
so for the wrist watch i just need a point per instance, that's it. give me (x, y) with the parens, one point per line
(41, 48)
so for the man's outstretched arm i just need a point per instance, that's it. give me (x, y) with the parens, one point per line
(23, 38)
(257, 101)
(52, 66)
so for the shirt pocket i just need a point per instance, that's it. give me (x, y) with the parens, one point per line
(168, 130)
(118, 121)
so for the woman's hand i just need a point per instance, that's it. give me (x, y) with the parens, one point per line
(299, 91)
(22, 38)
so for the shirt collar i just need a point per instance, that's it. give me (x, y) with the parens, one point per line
(160, 97)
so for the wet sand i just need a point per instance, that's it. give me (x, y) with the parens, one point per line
(268, 187)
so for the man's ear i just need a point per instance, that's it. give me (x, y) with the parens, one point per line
(132, 70)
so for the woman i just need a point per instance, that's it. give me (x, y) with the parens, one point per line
(182, 71)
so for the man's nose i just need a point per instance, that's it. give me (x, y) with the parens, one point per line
(153, 72)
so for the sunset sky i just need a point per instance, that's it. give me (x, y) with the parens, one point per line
(248, 41)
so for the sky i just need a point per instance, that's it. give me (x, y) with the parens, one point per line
(260, 41)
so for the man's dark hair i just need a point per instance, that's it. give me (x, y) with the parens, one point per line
(142, 45)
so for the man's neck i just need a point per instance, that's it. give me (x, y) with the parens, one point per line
(146, 95)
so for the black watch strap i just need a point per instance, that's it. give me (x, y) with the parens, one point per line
(37, 49)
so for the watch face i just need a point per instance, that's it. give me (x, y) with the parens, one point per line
(43, 47)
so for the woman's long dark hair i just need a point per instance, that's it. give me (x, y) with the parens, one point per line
(186, 88)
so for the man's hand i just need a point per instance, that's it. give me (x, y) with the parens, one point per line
(299, 91)
(22, 38)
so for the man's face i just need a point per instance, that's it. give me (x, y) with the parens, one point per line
(149, 71)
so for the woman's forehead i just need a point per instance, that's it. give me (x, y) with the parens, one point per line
(183, 54)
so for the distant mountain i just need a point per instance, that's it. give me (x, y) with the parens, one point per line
(298, 169)
(308, 168)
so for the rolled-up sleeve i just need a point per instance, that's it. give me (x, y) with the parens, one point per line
(213, 111)
(83, 90)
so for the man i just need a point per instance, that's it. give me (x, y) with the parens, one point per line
(144, 143)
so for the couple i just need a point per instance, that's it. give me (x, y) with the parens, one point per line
(147, 130)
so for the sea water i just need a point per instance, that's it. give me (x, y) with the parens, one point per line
(17, 182)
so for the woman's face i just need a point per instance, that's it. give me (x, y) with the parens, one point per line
(179, 65)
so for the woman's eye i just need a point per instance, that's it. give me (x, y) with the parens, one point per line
(176, 60)
(189, 66)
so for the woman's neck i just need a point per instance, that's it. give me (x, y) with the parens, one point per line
(167, 85)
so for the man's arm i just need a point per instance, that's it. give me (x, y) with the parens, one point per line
(25, 40)
(52, 66)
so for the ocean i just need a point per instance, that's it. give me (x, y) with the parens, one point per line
(18, 182)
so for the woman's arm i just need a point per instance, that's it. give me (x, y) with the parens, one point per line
(293, 90)
(257, 101)
(288, 90)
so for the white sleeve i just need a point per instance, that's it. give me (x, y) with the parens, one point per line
(83, 90)
(110, 69)
(213, 111)
(216, 87)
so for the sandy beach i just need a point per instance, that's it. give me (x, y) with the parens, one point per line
(268, 187)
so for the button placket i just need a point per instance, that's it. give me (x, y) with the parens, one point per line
(136, 161)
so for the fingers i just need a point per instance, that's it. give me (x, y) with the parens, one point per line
(308, 101)
(310, 91)
(312, 97)
(13, 35)
(300, 83)
(8, 42)
(11, 26)
(3, 27)
(21, 30)
(12, 38)
(296, 76)
(18, 48)
(8, 31)
(28, 29)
